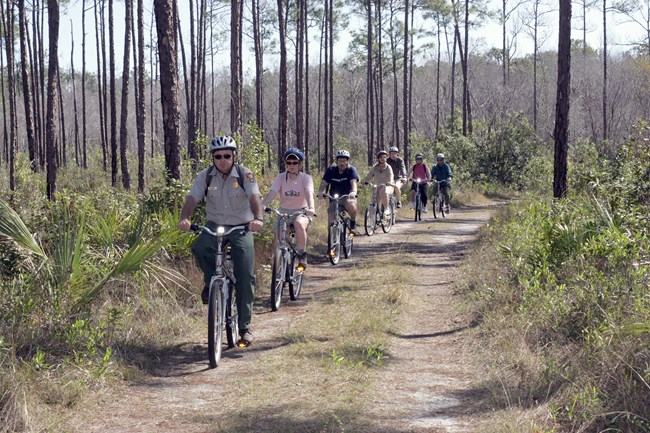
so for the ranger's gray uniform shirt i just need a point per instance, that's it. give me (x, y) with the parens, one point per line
(227, 203)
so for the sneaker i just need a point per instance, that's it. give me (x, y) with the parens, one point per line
(399, 204)
(424, 209)
(411, 205)
(245, 338)
(354, 232)
(302, 262)
(205, 295)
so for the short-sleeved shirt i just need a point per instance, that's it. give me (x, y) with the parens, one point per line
(399, 169)
(441, 172)
(380, 175)
(419, 171)
(226, 202)
(293, 193)
(340, 183)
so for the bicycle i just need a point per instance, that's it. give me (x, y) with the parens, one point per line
(285, 269)
(375, 215)
(439, 201)
(339, 236)
(222, 302)
(420, 183)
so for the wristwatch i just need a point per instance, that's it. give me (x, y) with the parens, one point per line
(259, 219)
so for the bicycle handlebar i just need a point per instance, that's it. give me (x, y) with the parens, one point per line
(197, 228)
(286, 215)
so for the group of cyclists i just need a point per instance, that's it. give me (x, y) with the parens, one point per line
(232, 197)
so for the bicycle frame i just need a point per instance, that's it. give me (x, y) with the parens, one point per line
(339, 224)
(439, 200)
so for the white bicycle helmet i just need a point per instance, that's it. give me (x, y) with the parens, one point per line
(393, 149)
(440, 156)
(343, 154)
(381, 152)
(223, 142)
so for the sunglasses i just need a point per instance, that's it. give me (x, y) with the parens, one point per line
(292, 162)
(227, 156)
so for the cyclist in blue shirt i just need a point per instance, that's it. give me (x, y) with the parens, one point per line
(341, 178)
(442, 172)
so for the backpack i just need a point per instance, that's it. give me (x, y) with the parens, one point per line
(210, 175)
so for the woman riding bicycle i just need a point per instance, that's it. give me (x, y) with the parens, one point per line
(295, 191)
(382, 174)
(421, 172)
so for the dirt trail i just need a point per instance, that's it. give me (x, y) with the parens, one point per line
(426, 386)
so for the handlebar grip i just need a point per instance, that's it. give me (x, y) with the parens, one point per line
(267, 209)
(194, 227)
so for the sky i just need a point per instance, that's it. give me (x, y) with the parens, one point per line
(489, 35)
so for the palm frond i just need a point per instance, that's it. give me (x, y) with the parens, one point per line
(13, 227)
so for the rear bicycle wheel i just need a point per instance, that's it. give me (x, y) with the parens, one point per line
(232, 317)
(215, 323)
(369, 220)
(295, 279)
(277, 279)
(333, 243)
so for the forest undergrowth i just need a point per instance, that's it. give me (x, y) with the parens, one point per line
(562, 286)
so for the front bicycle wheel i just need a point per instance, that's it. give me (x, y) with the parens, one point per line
(346, 241)
(387, 221)
(333, 243)
(277, 279)
(418, 208)
(232, 317)
(436, 207)
(442, 206)
(295, 279)
(215, 323)
(369, 220)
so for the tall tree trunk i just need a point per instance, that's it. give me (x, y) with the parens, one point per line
(505, 52)
(113, 94)
(330, 46)
(405, 83)
(52, 80)
(39, 57)
(282, 101)
(453, 82)
(259, 74)
(5, 135)
(236, 85)
(101, 73)
(467, 108)
(64, 141)
(24, 67)
(168, 86)
(395, 135)
(307, 146)
(140, 109)
(326, 85)
(124, 112)
(370, 85)
(380, 81)
(77, 150)
(299, 74)
(605, 70)
(561, 131)
(9, 46)
(438, 82)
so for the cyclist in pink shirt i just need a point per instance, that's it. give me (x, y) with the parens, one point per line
(295, 191)
(419, 171)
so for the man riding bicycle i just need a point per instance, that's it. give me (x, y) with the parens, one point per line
(232, 197)
(295, 191)
(442, 172)
(419, 171)
(382, 175)
(399, 172)
(341, 178)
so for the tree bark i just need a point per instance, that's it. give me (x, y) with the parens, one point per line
(236, 84)
(9, 44)
(52, 80)
(282, 97)
(124, 111)
(168, 86)
(27, 94)
(140, 109)
(561, 131)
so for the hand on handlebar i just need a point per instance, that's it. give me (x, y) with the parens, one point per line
(352, 195)
(184, 225)
(320, 194)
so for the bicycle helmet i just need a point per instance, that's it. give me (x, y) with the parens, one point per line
(440, 156)
(343, 154)
(293, 151)
(419, 156)
(393, 149)
(223, 142)
(381, 152)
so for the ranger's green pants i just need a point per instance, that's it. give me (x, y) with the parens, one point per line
(243, 256)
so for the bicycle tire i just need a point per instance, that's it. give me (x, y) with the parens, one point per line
(442, 207)
(387, 223)
(333, 244)
(418, 208)
(295, 280)
(277, 279)
(369, 221)
(435, 207)
(346, 241)
(232, 317)
(215, 323)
